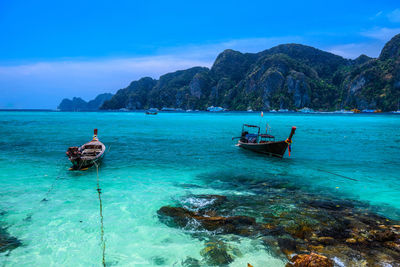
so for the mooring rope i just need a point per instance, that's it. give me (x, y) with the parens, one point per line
(52, 185)
(50, 189)
(103, 242)
(337, 175)
(45, 198)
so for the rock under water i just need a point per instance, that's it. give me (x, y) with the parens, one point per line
(320, 229)
(8, 242)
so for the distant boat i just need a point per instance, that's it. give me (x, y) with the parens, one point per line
(152, 111)
(167, 109)
(263, 143)
(283, 110)
(377, 111)
(215, 109)
(398, 108)
(87, 155)
(324, 112)
(355, 110)
(272, 110)
(368, 111)
(249, 110)
(306, 110)
(343, 111)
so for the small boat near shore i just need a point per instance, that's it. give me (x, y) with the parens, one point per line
(343, 111)
(152, 111)
(87, 155)
(263, 143)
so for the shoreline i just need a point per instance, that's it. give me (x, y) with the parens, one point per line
(202, 112)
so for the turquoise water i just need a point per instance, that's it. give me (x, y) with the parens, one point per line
(155, 161)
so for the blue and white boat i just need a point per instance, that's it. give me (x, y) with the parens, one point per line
(306, 110)
(215, 109)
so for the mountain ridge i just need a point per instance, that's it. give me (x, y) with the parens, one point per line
(78, 104)
(289, 76)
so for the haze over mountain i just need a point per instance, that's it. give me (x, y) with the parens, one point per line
(289, 76)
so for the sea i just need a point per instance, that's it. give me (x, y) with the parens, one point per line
(53, 213)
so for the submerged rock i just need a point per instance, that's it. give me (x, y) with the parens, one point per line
(158, 260)
(326, 240)
(310, 260)
(215, 254)
(8, 242)
(385, 235)
(287, 245)
(191, 262)
(182, 217)
(291, 222)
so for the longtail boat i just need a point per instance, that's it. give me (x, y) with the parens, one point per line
(152, 111)
(87, 155)
(264, 143)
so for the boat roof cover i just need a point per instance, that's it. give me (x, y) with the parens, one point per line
(267, 136)
(249, 125)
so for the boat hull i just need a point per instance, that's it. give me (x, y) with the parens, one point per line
(87, 155)
(275, 149)
(79, 164)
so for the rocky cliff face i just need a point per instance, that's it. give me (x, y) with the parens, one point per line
(135, 96)
(391, 50)
(78, 104)
(286, 76)
(376, 82)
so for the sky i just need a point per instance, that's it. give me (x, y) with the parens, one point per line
(50, 50)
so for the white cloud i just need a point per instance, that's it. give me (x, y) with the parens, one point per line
(377, 15)
(249, 45)
(377, 38)
(43, 84)
(383, 34)
(353, 50)
(394, 16)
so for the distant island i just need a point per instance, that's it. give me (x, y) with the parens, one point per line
(78, 104)
(288, 76)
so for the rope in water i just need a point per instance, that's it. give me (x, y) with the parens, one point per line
(52, 185)
(50, 189)
(103, 242)
(338, 175)
(45, 198)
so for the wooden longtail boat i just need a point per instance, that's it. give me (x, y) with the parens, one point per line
(87, 155)
(264, 143)
(152, 111)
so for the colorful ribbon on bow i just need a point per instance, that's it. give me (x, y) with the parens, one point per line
(289, 142)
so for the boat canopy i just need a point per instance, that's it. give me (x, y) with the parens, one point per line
(248, 125)
(267, 136)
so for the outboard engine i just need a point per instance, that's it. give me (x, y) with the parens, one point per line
(73, 152)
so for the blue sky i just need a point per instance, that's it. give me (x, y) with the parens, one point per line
(55, 49)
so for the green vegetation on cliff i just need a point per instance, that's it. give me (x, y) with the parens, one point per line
(288, 76)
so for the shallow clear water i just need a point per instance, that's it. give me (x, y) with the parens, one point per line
(156, 160)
